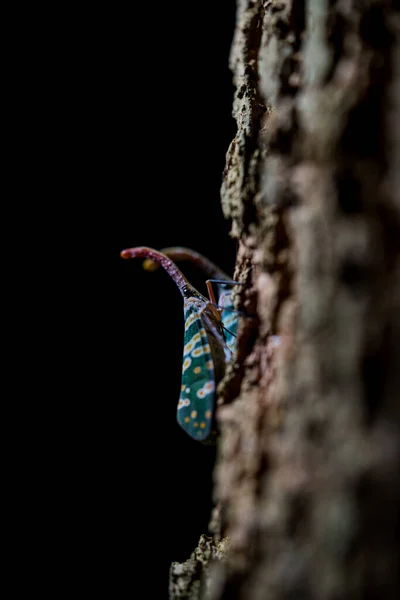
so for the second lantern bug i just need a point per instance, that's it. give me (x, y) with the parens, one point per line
(224, 301)
(205, 351)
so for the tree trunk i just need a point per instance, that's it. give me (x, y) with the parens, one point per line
(307, 480)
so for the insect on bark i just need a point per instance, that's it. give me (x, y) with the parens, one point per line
(205, 351)
(229, 316)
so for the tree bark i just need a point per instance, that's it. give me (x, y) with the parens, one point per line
(307, 480)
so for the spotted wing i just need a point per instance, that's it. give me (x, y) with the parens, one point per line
(196, 402)
(229, 318)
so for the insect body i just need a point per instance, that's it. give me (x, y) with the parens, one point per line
(229, 316)
(205, 351)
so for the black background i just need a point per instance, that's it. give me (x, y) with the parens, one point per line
(137, 115)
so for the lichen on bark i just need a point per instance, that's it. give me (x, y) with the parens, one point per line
(195, 577)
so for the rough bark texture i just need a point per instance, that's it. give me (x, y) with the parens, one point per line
(308, 479)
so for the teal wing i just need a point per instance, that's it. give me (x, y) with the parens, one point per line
(197, 397)
(229, 318)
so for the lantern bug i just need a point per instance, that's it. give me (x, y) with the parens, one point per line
(205, 351)
(229, 315)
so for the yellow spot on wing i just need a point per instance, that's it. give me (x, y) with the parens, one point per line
(189, 321)
(202, 425)
(197, 352)
(187, 362)
(186, 419)
(208, 414)
(183, 402)
(188, 347)
(197, 369)
(193, 414)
